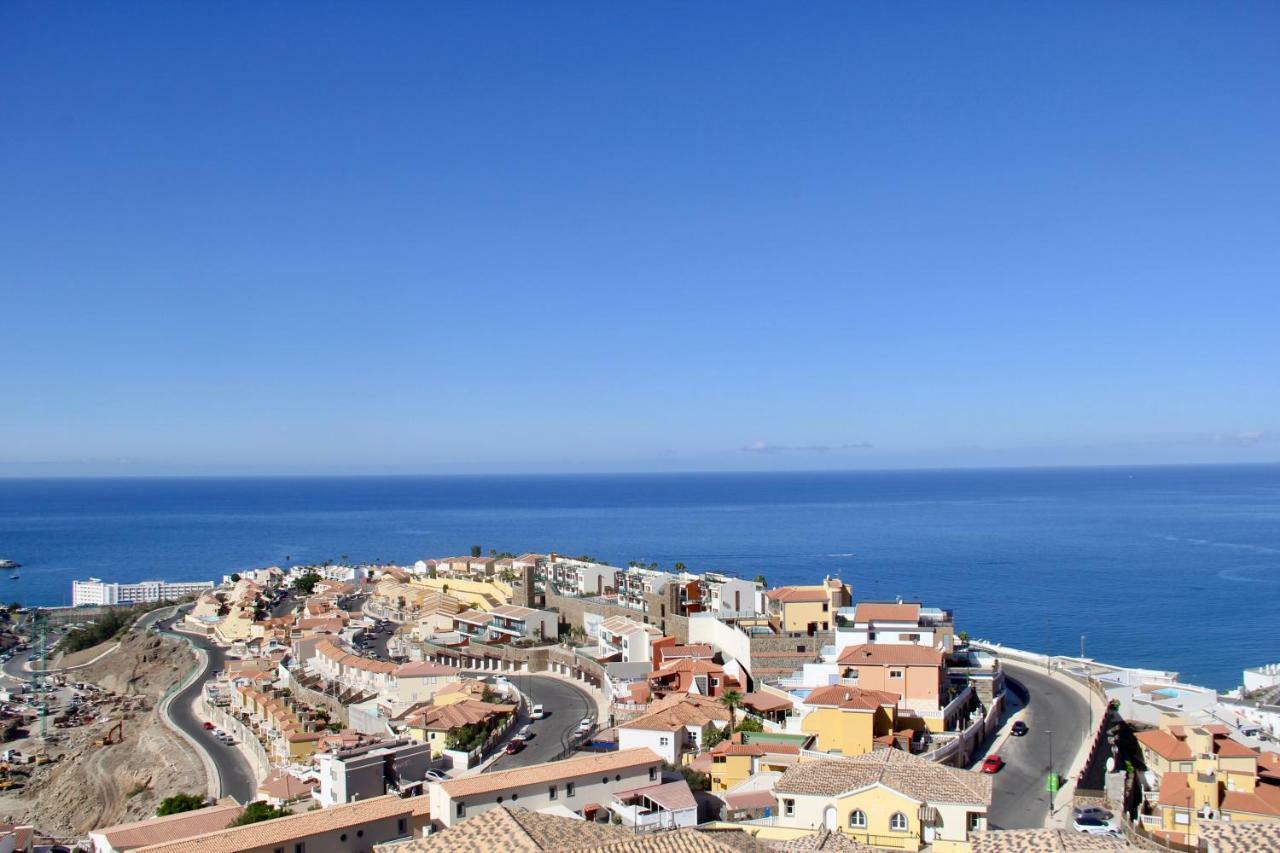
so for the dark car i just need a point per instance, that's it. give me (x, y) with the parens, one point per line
(1019, 729)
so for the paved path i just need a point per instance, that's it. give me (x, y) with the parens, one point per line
(566, 705)
(1020, 799)
(237, 776)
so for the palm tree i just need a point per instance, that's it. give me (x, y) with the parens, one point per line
(732, 700)
(679, 567)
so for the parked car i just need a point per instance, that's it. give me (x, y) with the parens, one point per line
(208, 727)
(1019, 729)
(1094, 813)
(513, 746)
(992, 764)
(537, 712)
(525, 733)
(1094, 826)
(585, 725)
(435, 776)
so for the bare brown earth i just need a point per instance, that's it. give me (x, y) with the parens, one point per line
(93, 786)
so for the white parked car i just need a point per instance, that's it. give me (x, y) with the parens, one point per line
(1095, 826)
(585, 725)
(536, 712)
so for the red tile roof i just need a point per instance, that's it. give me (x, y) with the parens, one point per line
(890, 654)
(869, 611)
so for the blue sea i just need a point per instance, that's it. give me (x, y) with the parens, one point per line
(1168, 567)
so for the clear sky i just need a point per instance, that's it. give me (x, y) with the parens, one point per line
(274, 237)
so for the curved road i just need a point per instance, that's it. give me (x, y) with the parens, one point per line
(1020, 800)
(237, 777)
(565, 704)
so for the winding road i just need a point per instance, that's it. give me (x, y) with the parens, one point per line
(1020, 799)
(237, 778)
(565, 705)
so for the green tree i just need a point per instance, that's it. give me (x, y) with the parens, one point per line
(476, 550)
(750, 724)
(235, 577)
(712, 736)
(964, 636)
(732, 700)
(179, 803)
(761, 580)
(306, 584)
(257, 811)
(679, 567)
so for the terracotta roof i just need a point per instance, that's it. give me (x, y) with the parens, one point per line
(517, 830)
(284, 786)
(902, 654)
(693, 650)
(464, 713)
(796, 594)
(690, 665)
(1165, 745)
(1263, 800)
(876, 611)
(424, 668)
(850, 698)
(672, 796)
(158, 830)
(1044, 841)
(550, 771)
(284, 830)
(668, 716)
(917, 778)
(765, 702)
(823, 839)
(760, 798)
(1248, 837)
(1174, 790)
(331, 650)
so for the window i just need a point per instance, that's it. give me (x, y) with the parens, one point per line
(826, 607)
(653, 775)
(300, 847)
(342, 837)
(895, 673)
(515, 797)
(898, 822)
(618, 777)
(500, 798)
(568, 789)
(402, 826)
(857, 819)
(1181, 817)
(551, 792)
(789, 808)
(975, 821)
(460, 810)
(664, 741)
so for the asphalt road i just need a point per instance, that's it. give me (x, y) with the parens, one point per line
(565, 705)
(1020, 799)
(237, 777)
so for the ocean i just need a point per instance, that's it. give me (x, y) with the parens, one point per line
(1167, 567)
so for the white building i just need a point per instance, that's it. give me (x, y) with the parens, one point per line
(575, 783)
(893, 623)
(631, 639)
(96, 592)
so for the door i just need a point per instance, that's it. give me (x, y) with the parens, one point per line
(829, 817)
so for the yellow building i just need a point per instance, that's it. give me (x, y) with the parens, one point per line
(806, 609)
(483, 594)
(886, 798)
(849, 720)
(1205, 778)
(431, 724)
(735, 760)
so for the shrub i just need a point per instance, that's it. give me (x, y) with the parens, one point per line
(258, 811)
(179, 803)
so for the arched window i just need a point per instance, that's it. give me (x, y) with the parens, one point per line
(898, 822)
(857, 819)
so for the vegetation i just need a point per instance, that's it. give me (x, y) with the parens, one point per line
(697, 781)
(712, 736)
(476, 550)
(679, 567)
(963, 637)
(257, 811)
(732, 700)
(178, 803)
(306, 584)
(749, 724)
(760, 580)
(111, 624)
(235, 577)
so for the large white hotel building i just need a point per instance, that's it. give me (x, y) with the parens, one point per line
(94, 591)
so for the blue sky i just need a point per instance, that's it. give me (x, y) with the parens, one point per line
(260, 238)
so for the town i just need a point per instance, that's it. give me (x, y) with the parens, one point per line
(548, 702)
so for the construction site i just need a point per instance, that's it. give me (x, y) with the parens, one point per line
(85, 746)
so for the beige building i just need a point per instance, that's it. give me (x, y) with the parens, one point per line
(574, 784)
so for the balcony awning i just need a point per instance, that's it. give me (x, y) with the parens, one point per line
(929, 815)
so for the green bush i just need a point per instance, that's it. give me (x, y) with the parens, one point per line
(258, 811)
(179, 803)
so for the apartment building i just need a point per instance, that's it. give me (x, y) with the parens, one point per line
(1200, 776)
(564, 576)
(95, 591)
(383, 767)
(510, 622)
(574, 783)
(914, 673)
(849, 720)
(894, 622)
(806, 609)
(396, 685)
(618, 635)
(886, 798)
(346, 828)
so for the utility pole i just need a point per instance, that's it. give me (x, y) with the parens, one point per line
(1082, 636)
(1051, 783)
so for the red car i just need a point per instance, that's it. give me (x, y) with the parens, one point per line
(514, 746)
(208, 727)
(992, 764)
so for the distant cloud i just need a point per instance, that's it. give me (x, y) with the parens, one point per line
(764, 447)
(1250, 438)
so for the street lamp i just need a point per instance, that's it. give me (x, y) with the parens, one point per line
(1050, 782)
